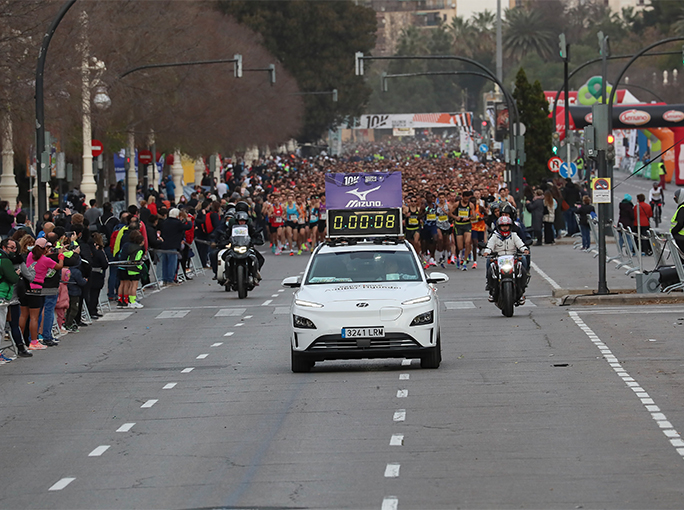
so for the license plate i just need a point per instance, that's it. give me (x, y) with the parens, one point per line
(363, 332)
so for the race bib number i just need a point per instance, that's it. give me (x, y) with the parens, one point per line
(293, 217)
(431, 217)
(413, 221)
(324, 215)
(279, 219)
(313, 218)
(443, 218)
(463, 213)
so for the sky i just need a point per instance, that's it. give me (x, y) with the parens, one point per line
(466, 8)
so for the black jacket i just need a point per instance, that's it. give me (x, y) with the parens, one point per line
(173, 233)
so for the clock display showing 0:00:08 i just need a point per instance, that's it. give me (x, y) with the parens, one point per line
(363, 222)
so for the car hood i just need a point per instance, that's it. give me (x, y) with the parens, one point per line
(389, 292)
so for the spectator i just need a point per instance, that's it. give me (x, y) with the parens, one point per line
(584, 211)
(549, 217)
(642, 215)
(572, 196)
(75, 288)
(14, 306)
(98, 269)
(131, 273)
(536, 208)
(626, 219)
(172, 233)
(93, 215)
(21, 224)
(8, 279)
(6, 219)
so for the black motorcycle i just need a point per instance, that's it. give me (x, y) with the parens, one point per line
(237, 262)
(508, 281)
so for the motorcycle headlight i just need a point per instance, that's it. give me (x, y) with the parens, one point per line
(415, 301)
(240, 249)
(302, 322)
(307, 304)
(423, 318)
(507, 266)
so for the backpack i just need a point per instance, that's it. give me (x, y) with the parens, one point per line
(206, 226)
(24, 286)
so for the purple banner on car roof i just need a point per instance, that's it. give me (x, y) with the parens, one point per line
(363, 191)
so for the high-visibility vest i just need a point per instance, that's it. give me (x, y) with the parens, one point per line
(673, 221)
(661, 168)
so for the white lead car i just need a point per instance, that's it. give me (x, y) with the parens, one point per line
(364, 300)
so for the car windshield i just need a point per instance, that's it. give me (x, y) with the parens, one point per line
(363, 266)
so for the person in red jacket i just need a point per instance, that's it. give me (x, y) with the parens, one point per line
(188, 216)
(642, 216)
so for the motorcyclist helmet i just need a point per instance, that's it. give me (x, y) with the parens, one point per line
(510, 210)
(242, 206)
(504, 223)
(242, 217)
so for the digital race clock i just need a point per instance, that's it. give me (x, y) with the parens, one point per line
(364, 223)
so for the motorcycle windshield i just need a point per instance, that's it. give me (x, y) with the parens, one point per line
(240, 235)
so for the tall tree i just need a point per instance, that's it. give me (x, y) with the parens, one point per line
(526, 32)
(533, 110)
(316, 42)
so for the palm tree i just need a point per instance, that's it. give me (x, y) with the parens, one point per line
(525, 32)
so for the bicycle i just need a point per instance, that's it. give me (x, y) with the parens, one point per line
(657, 207)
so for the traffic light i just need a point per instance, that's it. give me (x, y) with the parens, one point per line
(590, 142)
(563, 47)
(610, 152)
(555, 138)
(127, 163)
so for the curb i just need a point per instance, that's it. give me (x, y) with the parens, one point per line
(620, 299)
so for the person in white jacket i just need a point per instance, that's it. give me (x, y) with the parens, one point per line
(505, 242)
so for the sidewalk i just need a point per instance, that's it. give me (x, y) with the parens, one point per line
(575, 273)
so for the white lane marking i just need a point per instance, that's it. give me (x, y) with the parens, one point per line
(403, 377)
(390, 503)
(238, 325)
(281, 310)
(661, 420)
(125, 427)
(275, 295)
(622, 311)
(99, 450)
(230, 333)
(392, 470)
(173, 314)
(61, 484)
(281, 290)
(230, 312)
(406, 362)
(402, 393)
(248, 317)
(149, 403)
(397, 440)
(459, 305)
(217, 344)
(546, 277)
(187, 370)
(267, 302)
(202, 356)
(399, 415)
(116, 316)
(169, 386)
(652, 340)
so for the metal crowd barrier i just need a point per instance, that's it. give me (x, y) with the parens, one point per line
(676, 255)
(624, 239)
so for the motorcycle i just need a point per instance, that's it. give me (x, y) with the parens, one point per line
(507, 271)
(237, 263)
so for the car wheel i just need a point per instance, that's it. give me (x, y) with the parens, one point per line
(300, 364)
(434, 356)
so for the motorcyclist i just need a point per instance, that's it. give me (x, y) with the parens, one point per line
(505, 242)
(518, 227)
(242, 218)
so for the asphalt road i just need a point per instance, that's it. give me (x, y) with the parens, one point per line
(190, 403)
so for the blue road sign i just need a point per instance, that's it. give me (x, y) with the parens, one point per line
(484, 148)
(566, 171)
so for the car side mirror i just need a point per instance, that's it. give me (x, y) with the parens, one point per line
(437, 278)
(292, 282)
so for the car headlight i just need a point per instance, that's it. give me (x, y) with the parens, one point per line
(302, 322)
(240, 249)
(307, 304)
(423, 318)
(415, 301)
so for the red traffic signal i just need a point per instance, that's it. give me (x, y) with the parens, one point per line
(484, 123)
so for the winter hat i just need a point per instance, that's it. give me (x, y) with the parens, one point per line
(628, 197)
(173, 213)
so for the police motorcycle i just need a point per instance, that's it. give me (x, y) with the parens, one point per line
(238, 261)
(507, 277)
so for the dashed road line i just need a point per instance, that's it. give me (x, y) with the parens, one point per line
(238, 325)
(392, 470)
(649, 404)
(125, 427)
(267, 302)
(248, 317)
(397, 440)
(149, 403)
(99, 450)
(390, 503)
(173, 314)
(217, 344)
(202, 356)
(229, 333)
(230, 312)
(404, 377)
(187, 370)
(61, 484)
(399, 415)
(281, 290)
(169, 386)
(275, 295)
(402, 393)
